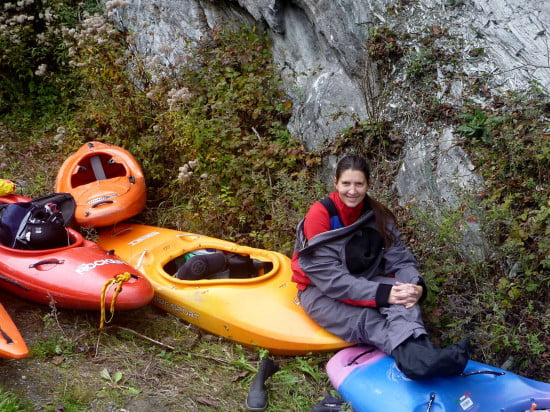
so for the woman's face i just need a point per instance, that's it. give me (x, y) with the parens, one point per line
(352, 187)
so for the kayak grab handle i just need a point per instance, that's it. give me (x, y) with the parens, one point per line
(487, 372)
(47, 262)
(102, 202)
(354, 360)
(88, 213)
(125, 229)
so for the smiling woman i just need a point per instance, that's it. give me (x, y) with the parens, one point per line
(351, 187)
(357, 280)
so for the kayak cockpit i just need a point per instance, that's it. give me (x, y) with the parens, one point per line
(96, 167)
(210, 263)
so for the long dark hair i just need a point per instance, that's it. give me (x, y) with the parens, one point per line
(381, 213)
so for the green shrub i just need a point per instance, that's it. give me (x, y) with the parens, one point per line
(211, 136)
(35, 79)
(498, 302)
(478, 125)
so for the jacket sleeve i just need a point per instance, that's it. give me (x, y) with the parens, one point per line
(401, 263)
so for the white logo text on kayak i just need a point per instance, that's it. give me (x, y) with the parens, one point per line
(86, 267)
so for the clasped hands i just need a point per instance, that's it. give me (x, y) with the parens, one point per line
(405, 294)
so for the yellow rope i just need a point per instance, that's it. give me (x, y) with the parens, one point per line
(119, 280)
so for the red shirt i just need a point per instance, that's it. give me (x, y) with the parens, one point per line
(318, 220)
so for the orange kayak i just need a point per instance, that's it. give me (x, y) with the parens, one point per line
(79, 275)
(12, 344)
(106, 182)
(245, 294)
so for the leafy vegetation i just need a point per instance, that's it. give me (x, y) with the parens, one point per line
(211, 136)
(35, 81)
(499, 298)
(516, 204)
(477, 126)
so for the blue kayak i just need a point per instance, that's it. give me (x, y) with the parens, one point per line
(371, 382)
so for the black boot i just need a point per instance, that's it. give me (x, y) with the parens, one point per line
(418, 358)
(457, 355)
(257, 396)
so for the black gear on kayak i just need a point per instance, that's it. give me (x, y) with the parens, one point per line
(38, 224)
(202, 266)
(241, 266)
(40, 236)
(5, 234)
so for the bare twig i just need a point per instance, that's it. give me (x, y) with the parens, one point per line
(164, 345)
(147, 338)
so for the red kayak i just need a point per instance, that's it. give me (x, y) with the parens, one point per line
(12, 344)
(66, 269)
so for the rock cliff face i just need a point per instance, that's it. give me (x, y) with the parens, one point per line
(320, 46)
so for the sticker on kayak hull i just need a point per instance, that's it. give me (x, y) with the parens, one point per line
(465, 401)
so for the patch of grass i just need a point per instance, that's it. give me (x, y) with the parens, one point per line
(10, 402)
(53, 346)
(185, 369)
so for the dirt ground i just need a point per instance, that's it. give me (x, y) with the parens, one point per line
(144, 360)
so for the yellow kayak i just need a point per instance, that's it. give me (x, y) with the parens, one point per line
(241, 293)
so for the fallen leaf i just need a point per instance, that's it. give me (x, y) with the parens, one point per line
(58, 360)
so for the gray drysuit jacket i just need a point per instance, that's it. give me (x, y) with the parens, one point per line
(345, 276)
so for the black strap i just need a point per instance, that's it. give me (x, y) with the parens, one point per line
(366, 352)
(328, 203)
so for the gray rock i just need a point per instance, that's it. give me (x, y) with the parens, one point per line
(319, 46)
(433, 177)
